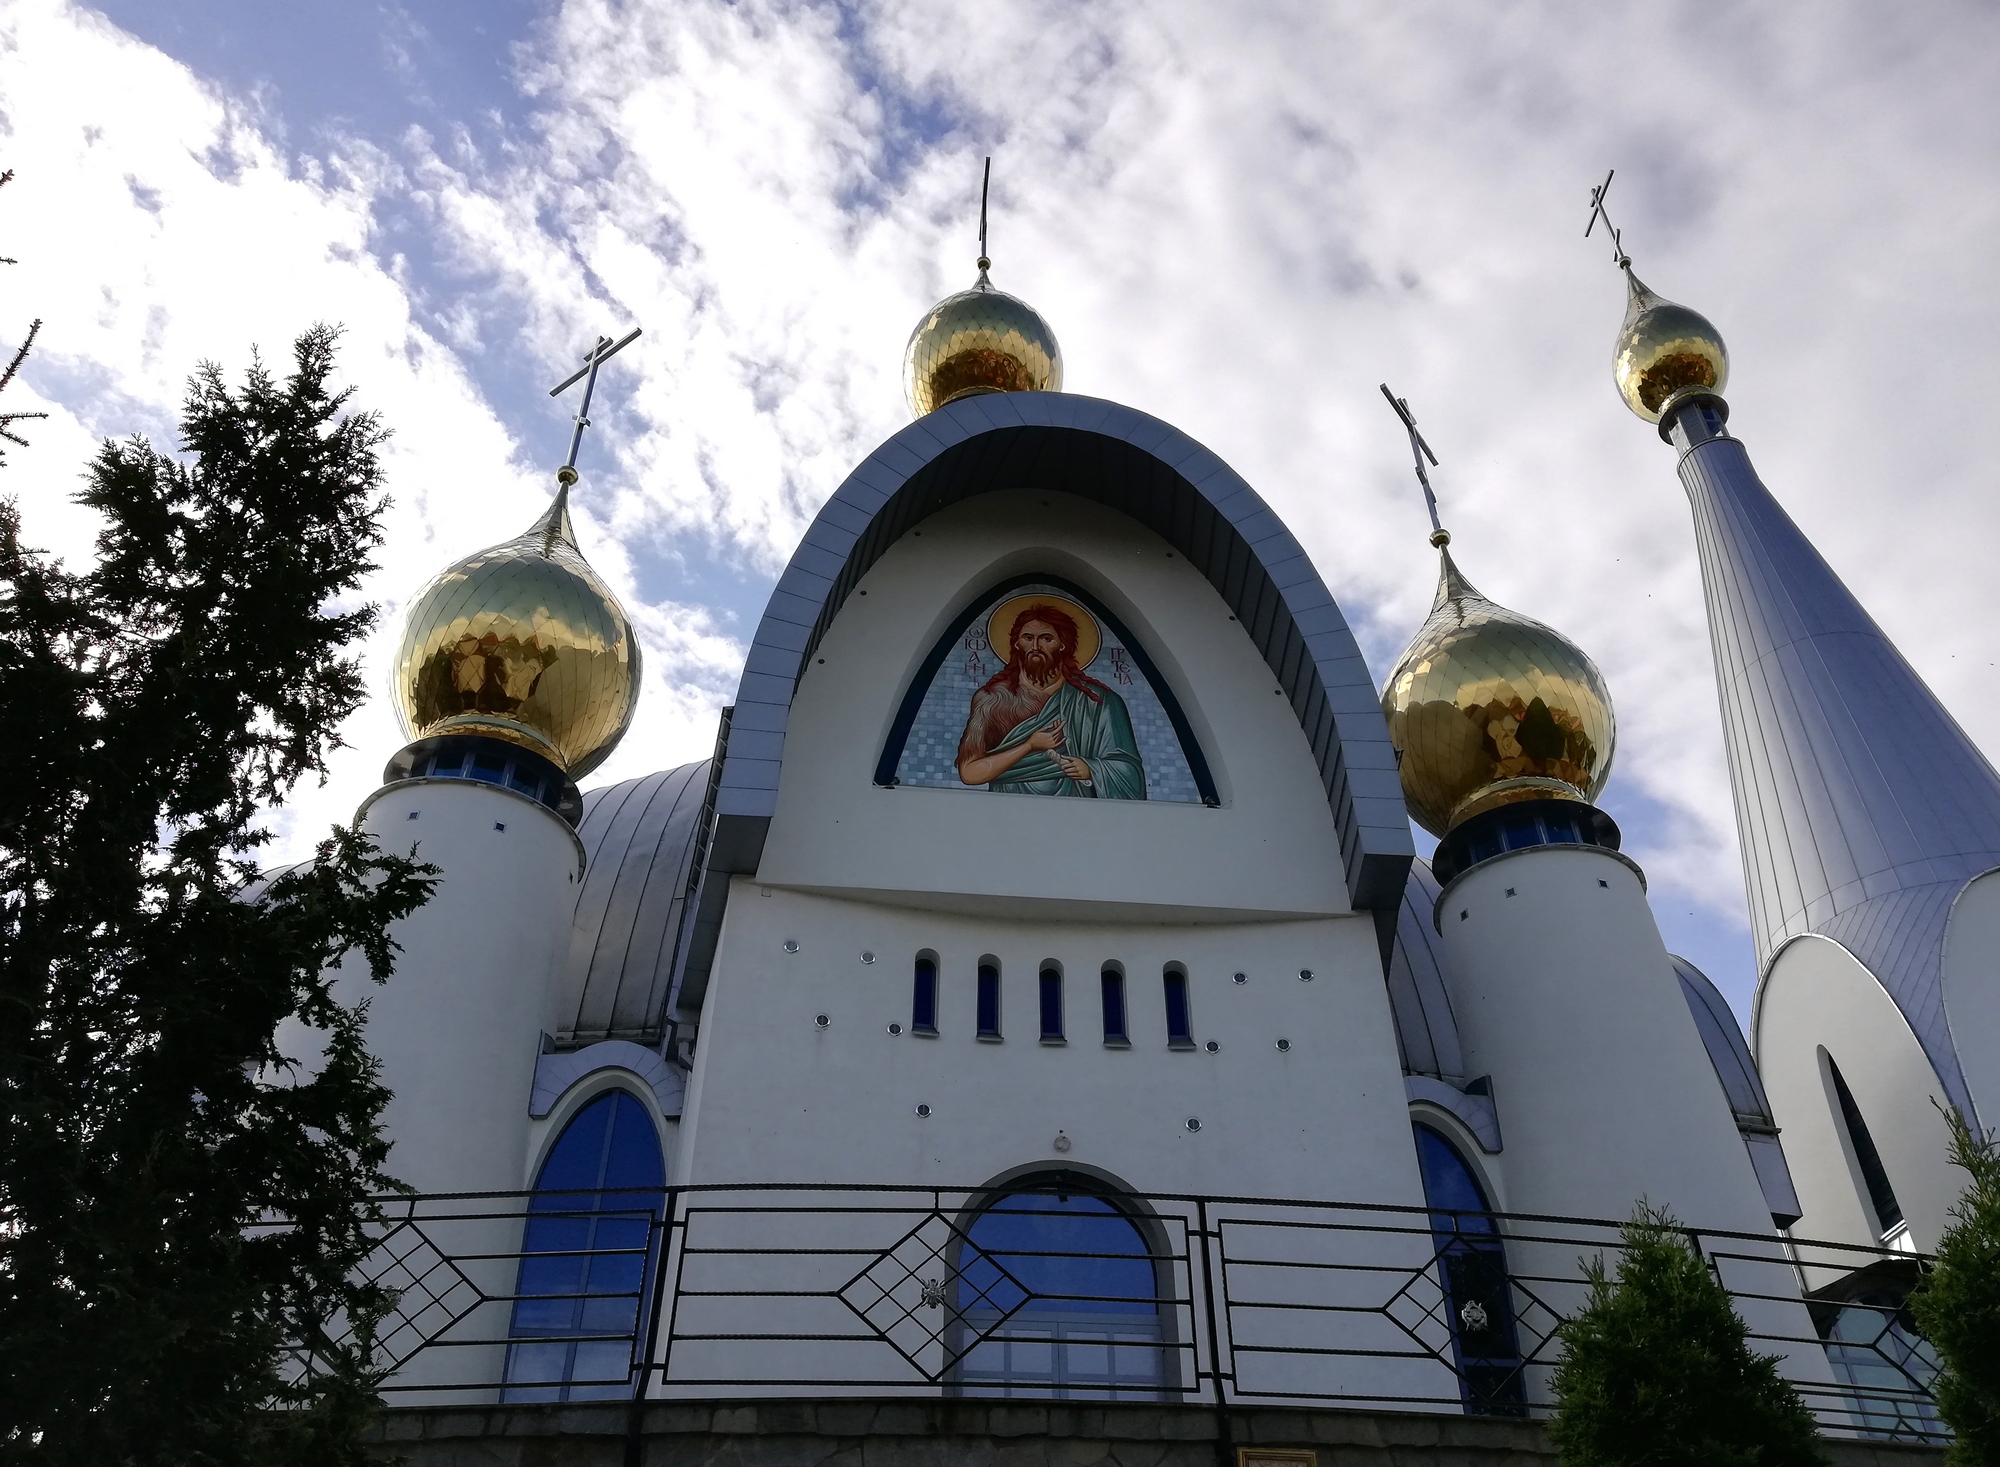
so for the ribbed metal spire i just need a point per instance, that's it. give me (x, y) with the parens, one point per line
(1862, 807)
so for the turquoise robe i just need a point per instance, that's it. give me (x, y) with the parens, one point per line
(1099, 733)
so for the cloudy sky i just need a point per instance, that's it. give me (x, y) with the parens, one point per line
(1239, 218)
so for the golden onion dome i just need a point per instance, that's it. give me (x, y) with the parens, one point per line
(523, 642)
(1489, 707)
(980, 340)
(1664, 352)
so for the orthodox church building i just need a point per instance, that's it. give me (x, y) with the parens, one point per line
(1060, 830)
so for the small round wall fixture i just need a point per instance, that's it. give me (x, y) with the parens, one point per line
(1213, 1047)
(821, 1020)
(791, 944)
(1062, 1142)
(1194, 1123)
(1305, 975)
(1284, 1046)
(1239, 977)
(895, 1028)
(868, 957)
(923, 1110)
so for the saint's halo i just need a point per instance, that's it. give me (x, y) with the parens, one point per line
(1000, 626)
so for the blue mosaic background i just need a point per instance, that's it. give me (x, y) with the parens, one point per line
(930, 756)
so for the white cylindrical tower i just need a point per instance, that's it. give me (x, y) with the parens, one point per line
(517, 671)
(458, 1025)
(1565, 998)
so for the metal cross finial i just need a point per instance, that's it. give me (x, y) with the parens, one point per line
(602, 352)
(985, 184)
(1597, 212)
(1420, 450)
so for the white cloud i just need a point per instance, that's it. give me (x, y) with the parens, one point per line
(1238, 218)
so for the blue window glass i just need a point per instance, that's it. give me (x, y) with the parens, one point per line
(492, 768)
(1472, 1270)
(923, 1000)
(1881, 1196)
(1052, 1015)
(1114, 1007)
(1523, 833)
(1058, 1296)
(586, 1257)
(1179, 1030)
(989, 1001)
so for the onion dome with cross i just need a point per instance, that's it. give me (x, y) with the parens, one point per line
(979, 340)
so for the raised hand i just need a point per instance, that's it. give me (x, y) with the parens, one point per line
(1044, 739)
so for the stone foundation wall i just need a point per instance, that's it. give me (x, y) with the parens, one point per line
(955, 1433)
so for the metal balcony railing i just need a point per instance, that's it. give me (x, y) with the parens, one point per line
(1063, 1290)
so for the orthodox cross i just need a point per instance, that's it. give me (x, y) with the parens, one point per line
(602, 352)
(1420, 450)
(1597, 212)
(985, 184)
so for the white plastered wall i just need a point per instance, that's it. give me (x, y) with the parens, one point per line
(1816, 996)
(459, 1024)
(1565, 994)
(1972, 991)
(1271, 850)
(776, 1097)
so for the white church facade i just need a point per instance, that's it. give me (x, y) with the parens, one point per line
(1055, 861)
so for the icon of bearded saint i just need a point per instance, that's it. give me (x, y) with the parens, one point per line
(1041, 727)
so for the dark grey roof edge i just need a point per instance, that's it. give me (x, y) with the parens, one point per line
(1125, 459)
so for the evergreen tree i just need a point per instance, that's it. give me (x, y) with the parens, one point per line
(1657, 1369)
(1958, 1305)
(182, 1204)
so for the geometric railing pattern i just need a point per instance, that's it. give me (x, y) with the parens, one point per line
(886, 1291)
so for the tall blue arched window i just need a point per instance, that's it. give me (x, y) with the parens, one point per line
(586, 1256)
(1472, 1266)
(1058, 1295)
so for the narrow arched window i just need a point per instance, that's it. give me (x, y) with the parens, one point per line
(1875, 1176)
(1472, 1270)
(586, 1256)
(924, 998)
(989, 998)
(1180, 1024)
(1059, 1295)
(1052, 1003)
(1112, 982)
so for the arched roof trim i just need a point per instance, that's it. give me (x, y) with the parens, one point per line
(1135, 464)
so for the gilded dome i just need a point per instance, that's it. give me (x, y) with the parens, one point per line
(1489, 707)
(523, 642)
(980, 340)
(1665, 351)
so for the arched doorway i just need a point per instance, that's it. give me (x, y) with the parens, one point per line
(586, 1257)
(1059, 1295)
(1472, 1268)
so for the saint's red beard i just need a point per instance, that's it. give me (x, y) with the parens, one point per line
(1038, 665)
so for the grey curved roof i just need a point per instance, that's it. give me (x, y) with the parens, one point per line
(1862, 807)
(1729, 1053)
(1723, 1038)
(639, 838)
(1426, 1032)
(1141, 467)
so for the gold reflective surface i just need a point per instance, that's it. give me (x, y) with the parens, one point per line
(523, 642)
(1664, 349)
(980, 340)
(1488, 707)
